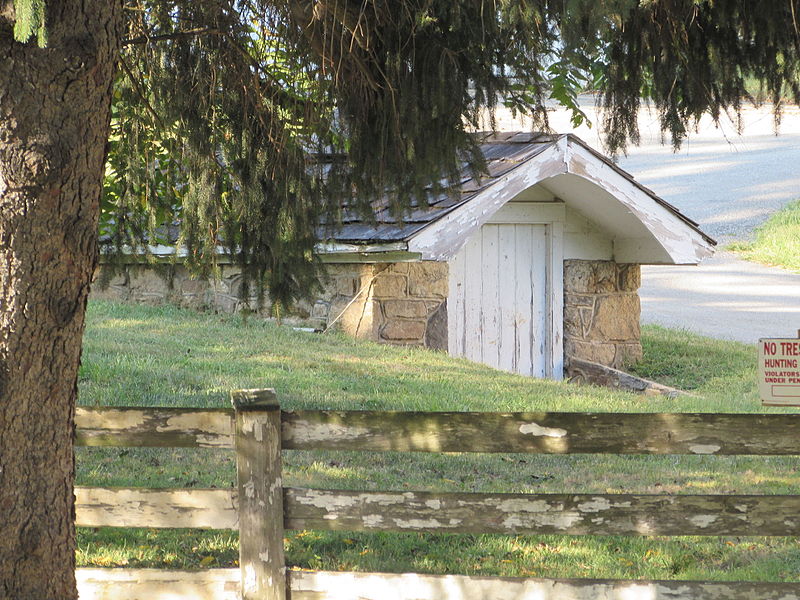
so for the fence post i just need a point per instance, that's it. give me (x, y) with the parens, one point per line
(258, 474)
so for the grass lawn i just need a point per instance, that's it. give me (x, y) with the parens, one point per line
(135, 355)
(777, 241)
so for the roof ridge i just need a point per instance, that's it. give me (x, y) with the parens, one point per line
(517, 136)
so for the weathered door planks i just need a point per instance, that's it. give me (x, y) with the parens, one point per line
(500, 299)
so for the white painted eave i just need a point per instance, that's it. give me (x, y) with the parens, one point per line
(666, 236)
(340, 248)
(442, 239)
(644, 230)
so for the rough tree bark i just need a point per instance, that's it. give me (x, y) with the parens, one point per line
(54, 117)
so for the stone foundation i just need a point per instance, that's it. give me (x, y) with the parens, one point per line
(601, 312)
(397, 303)
(405, 303)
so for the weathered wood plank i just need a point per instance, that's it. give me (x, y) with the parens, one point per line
(473, 327)
(455, 304)
(550, 433)
(164, 427)
(569, 514)
(140, 507)
(223, 584)
(524, 318)
(157, 584)
(326, 585)
(507, 297)
(555, 303)
(486, 272)
(539, 276)
(258, 475)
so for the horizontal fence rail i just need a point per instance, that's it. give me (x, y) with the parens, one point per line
(566, 514)
(224, 584)
(171, 508)
(547, 433)
(154, 427)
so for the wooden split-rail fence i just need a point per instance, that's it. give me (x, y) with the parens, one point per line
(261, 508)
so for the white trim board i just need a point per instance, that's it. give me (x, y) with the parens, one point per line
(660, 235)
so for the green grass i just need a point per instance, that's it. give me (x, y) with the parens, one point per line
(777, 241)
(135, 355)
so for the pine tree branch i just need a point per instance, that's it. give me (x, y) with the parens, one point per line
(147, 39)
(140, 92)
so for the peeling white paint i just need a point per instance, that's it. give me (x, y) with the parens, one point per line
(594, 505)
(258, 431)
(372, 520)
(109, 419)
(742, 507)
(274, 490)
(562, 521)
(434, 504)
(539, 431)
(443, 238)
(681, 242)
(390, 586)
(209, 422)
(321, 432)
(250, 489)
(212, 441)
(703, 521)
(425, 523)
(326, 501)
(264, 556)
(704, 448)
(250, 583)
(524, 505)
(386, 499)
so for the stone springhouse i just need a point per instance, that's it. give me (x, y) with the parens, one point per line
(533, 264)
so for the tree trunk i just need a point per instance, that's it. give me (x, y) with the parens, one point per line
(54, 117)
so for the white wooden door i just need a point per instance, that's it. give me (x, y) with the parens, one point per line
(497, 306)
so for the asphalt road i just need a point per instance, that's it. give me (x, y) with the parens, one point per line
(729, 183)
(724, 298)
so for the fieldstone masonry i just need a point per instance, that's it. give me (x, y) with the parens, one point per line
(397, 303)
(408, 300)
(601, 312)
(405, 303)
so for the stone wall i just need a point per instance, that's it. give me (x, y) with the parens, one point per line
(601, 312)
(397, 303)
(408, 304)
(405, 303)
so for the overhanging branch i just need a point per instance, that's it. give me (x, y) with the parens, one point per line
(148, 39)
